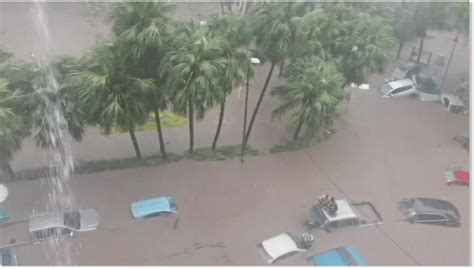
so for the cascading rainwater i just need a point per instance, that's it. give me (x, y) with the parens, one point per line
(59, 158)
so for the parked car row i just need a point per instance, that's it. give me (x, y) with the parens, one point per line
(409, 80)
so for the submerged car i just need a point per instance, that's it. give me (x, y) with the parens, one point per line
(343, 256)
(430, 211)
(427, 88)
(452, 103)
(404, 71)
(63, 223)
(284, 245)
(405, 87)
(346, 216)
(154, 207)
(457, 176)
(463, 140)
(8, 258)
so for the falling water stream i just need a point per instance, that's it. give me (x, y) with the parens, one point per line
(59, 157)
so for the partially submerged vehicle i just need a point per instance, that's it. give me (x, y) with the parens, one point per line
(457, 176)
(428, 90)
(4, 215)
(343, 256)
(346, 216)
(463, 140)
(154, 207)
(398, 88)
(430, 211)
(284, 245)
(405, 71)
(55, 224)
(452, 103)
(8, 258)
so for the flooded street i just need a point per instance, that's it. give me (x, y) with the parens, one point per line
(384, 150)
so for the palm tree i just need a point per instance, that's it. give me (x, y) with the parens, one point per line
(12, 133)
(236, 32)
(428, 15)
(363, 46)
(194, 66)
(145, 27)
(275, 27)
(314, 89)
(111, 93)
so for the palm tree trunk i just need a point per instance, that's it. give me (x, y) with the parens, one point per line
(131, 131)
(160, 133)
(420, 49)
(219, 125)
(282, 65)
(400, 47)
(191, 126)
(222, 7)
(6, 168)
(300, 123)
(254, 115)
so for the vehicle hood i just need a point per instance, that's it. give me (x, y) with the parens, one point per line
(280, 245)
(90, 219)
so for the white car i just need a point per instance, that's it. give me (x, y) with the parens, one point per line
(452, 103)
(404, 87)
(284, 245)
(55, 224)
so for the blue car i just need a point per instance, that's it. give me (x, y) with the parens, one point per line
(343, 256)
(154, 207)
(4, 216)
(7, 258)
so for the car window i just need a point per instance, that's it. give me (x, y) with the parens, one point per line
(431, 217)
(46, 233)
(72, 220)
(401, 89)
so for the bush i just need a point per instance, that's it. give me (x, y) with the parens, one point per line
(291, 146)
(222, 153)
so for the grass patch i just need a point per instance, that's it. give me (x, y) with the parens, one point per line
(168, 119)
(126, 163)
(221, 153)
(290, 146)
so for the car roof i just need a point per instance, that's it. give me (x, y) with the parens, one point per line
(400, 83)
(342, 256)
(344, 211)
(155, 205)
(429, 205)
(279, 245)
(46, 221)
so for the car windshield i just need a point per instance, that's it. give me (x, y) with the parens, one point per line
(72, 220)
(386, 89)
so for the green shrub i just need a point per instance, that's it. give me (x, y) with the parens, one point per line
(290, 146)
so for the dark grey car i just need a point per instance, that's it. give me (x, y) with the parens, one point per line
(430, 211)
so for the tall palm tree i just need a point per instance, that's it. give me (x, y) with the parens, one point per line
(12, 133)
(146, 27)
(194, 67)
(275, 27)
(314, 89)
(236, 32)
(428, 15)
(110, 91)
(363, 46)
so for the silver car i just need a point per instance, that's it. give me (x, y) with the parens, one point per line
(430, 211)
(63, 223)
